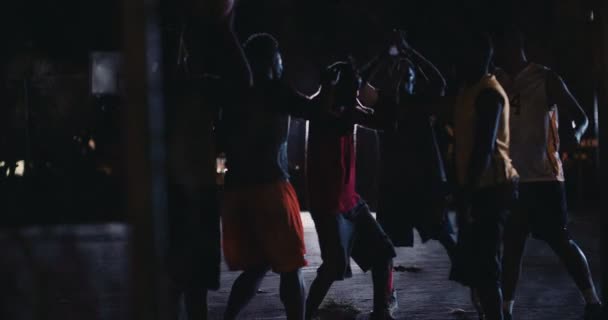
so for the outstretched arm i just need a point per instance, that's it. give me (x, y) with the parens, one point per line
(321, 103)
(300, 105)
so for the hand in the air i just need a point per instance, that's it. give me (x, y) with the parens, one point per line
(399, 38)
(331, 75)
(343, 76)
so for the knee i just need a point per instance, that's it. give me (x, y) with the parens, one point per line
(255, 273)
(291, 276)
(291, 284)
(331, 270)
(488, 269)
(383, 264)
(513, 252)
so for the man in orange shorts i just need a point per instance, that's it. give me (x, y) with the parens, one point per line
(262, 228)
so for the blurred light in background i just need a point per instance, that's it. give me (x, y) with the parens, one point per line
(20, 169)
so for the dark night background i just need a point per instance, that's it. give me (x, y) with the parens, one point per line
(63, 252)
(311, 33)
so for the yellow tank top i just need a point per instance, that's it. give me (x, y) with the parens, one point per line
(501, 169)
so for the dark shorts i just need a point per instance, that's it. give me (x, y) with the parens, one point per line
(354, 234)
(403, 209)
(194, 233)
(479, 258)
(541, 210)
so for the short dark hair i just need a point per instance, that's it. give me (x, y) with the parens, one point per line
(261, 44)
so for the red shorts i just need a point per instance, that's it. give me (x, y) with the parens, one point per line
(262, 227)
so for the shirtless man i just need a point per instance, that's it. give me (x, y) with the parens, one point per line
(262, 228)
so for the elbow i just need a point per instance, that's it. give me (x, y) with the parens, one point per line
(246, 83)
(581, 126)
(442, 88)
(584, 123)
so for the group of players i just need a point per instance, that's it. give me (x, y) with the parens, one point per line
(503, 168)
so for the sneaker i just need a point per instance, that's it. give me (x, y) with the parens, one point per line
(476, 302)
(381, 316)
(393, 303)
(593, 312)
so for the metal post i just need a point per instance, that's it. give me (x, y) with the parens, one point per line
(28, 161)
(145, 158)
(602, 15)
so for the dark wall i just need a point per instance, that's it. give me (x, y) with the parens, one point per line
(64, 28)
(312, 34)
(558, 34)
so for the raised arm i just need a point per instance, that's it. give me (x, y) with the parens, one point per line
(429, 71)
(320, 103)
(426, 68)
(212, 23)
(234, 63)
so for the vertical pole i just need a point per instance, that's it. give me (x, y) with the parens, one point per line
(28, 161)
(602, 23)
(145, 158)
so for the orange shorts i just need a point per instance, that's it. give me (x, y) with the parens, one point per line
(262, 227)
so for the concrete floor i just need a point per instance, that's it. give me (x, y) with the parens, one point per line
(546, 292)
(80, 273)
(64, 272)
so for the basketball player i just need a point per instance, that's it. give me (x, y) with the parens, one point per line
(412, 178)
(261, 223)
(194, 251)
(484, 172)
(344, 223)
(543, 113)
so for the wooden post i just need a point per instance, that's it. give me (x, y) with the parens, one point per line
(145, 158)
